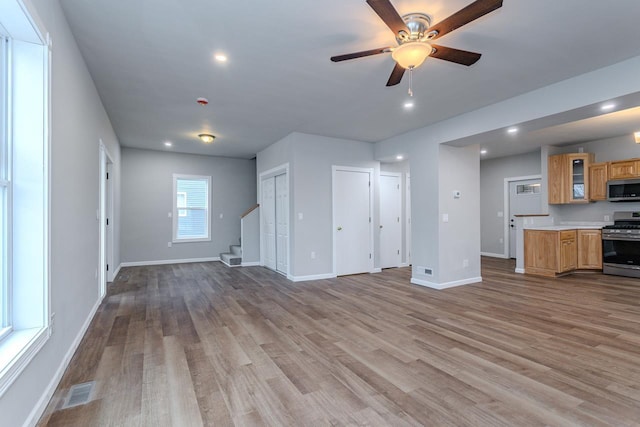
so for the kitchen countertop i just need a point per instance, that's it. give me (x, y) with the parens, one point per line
(564, 227)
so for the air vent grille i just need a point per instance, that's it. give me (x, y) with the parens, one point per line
(79, 394)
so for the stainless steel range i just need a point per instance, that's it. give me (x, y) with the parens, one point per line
(621, 245)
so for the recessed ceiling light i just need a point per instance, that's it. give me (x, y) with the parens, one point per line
(408, 105)
(206, 138)
(399, 157)
(483, 151)
(220, 57)
(168, 144)
(608, 107)
(512, 130)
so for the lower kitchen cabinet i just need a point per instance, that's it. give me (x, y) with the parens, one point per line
(590, 249)
(552, 252)
(548, 253)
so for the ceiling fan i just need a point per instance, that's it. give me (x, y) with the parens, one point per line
(414, 34)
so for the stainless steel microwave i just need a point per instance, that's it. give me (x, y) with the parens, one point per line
(623, 190)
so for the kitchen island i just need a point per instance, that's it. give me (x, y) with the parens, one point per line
(555, 250)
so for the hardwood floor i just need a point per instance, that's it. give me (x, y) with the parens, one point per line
(203, 344)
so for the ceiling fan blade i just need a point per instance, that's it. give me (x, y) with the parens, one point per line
(462, 17)
(389, 15)
(455, 55)
(396, 75)
(364, 53)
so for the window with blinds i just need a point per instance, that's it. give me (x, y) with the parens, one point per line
(191, 216)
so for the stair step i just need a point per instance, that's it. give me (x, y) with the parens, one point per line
(232, 260)
(236, 250)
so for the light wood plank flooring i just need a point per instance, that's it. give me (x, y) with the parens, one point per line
(203, 344)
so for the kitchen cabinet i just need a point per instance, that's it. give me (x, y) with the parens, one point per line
(598, 176)
(549, 253)
(568, 178)
(623, 169)
(589, 249)
(554, 252)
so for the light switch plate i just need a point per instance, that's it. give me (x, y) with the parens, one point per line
(445, 217)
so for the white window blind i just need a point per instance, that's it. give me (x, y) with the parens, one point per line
(191, 218)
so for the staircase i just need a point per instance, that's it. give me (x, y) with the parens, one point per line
(233, 258)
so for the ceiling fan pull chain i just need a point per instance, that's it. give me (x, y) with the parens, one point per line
(410, 81)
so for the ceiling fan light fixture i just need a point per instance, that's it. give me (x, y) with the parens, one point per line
(206, 138)
(411, 54)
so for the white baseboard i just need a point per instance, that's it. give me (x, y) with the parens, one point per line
(251, 264)
(115, 273)
(40, 407)
(520, 270)
(376, 270)
(167, 261)
(446, 285)
(404, 264)
(312, 277)
(229, 265)
(492, 255)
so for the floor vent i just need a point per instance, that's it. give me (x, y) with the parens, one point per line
(79, 394)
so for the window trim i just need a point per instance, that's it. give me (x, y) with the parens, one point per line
(176, 215)
(25, 340)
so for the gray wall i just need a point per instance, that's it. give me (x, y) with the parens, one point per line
(312, 196)
(310, 159)
(459, 239)
(147, 198)
(78, 121)
(492, 175)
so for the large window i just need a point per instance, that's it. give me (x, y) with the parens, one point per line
(191, 218)
(5, 324)
(24, 204)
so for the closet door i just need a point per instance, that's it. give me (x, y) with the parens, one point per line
(282, 222)
(268, 226)
(390, 225)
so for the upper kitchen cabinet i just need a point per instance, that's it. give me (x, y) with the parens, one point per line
(623, 169)
(598, 176)
(569, 178)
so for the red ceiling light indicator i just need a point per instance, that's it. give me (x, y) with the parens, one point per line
(202, 101)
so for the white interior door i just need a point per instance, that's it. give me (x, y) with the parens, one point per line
(408, 219)
(524, 198)
(282, 222)
(268, 226)
(352, 221)
(109, 223)
(390, 225)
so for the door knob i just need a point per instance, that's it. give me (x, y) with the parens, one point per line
(381, 226)
(339, 228)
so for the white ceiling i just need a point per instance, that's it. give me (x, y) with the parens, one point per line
(150, 60)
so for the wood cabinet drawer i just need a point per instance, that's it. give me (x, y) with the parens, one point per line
(568, 235)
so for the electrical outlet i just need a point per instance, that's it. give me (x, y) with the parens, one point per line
(607, 218)
(501, 240)
(221, 216)
(169, 244)
(313, 255)
(445, 217)
(465, 263)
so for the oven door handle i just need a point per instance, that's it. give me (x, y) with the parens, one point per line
(622, 238)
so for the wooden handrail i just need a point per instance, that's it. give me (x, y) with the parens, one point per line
(251, 209)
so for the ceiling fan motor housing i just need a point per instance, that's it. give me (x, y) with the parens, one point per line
(418, 24)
